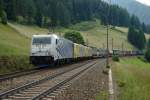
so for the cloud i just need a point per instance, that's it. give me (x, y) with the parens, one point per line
(147, 2)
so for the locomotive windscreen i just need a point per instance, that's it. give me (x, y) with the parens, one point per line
(41, 40)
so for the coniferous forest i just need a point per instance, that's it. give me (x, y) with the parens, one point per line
(52, 13)
(63, 12)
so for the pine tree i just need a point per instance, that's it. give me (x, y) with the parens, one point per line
(135, 22)
(137, 38)
(10, 8)
(143, 27)
(1, 9)
(148, 43)
(141, 40)
(53, 13)
(31, 11)
(39, 18)
(63, 15)
(4, 18)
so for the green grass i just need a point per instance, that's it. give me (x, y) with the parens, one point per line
(97, 37)
(12, 42)
(92, 31)
(29, 30)
(95, 34)
(102, 96)
(135, 75)
(14, 63)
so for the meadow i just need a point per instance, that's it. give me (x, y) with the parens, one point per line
(93, 32)
(132, 76)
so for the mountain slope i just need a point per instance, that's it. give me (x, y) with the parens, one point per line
(92, 32)
(134, 7)
(12, 42)
(15, 39)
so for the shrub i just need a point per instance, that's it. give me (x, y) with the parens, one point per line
(4, 18)
(142, 59)
(106, 71)
(115, 58)
(74, 37)
(20, 19)
(121, 83)
(147, 55)
(9, 64)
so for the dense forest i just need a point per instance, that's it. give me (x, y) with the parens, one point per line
(63, 12)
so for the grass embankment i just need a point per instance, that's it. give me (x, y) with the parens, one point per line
(132, 76)
(29, 30)
(14, 50)
(91, 31)
(96, 35)
(12, 42)
(10, 64)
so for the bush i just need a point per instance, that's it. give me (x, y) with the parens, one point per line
(106, 71)
(9, 64)
(147, 55)
(142, 59)
(4, 18)
(115, 58)
(20, 19)
(75, 37)
(121, 83)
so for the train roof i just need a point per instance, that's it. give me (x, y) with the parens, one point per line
(46, 35)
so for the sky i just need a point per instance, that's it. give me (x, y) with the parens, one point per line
(147, 2)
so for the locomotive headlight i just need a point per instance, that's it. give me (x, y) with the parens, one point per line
(48, 53)
(33, 54)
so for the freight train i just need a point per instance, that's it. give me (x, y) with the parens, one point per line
(52, 49)
(47, 49)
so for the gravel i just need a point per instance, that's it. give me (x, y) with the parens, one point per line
(87, 87)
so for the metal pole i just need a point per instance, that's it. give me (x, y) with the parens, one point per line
(112, 44)
(103, 46)
(107, 60)
(122, 49)
(122, 46)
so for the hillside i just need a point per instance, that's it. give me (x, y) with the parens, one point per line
(29, 30)
(134, 7)
(12, 42)
(131, 77)
(92, 31)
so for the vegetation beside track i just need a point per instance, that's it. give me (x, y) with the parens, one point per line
(132, 76)
(10, 64)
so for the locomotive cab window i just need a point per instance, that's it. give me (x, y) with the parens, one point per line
(56, 41)
(42, 40)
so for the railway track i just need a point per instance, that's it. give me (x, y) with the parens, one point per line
(10, 76)
(41, 88)
(17, 81)
(17, 74)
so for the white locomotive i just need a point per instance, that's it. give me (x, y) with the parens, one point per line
(50, 48)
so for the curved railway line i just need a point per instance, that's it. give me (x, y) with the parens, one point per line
(17, 80)
(37, 89)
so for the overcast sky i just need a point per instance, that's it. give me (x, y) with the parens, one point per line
(147, 2)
